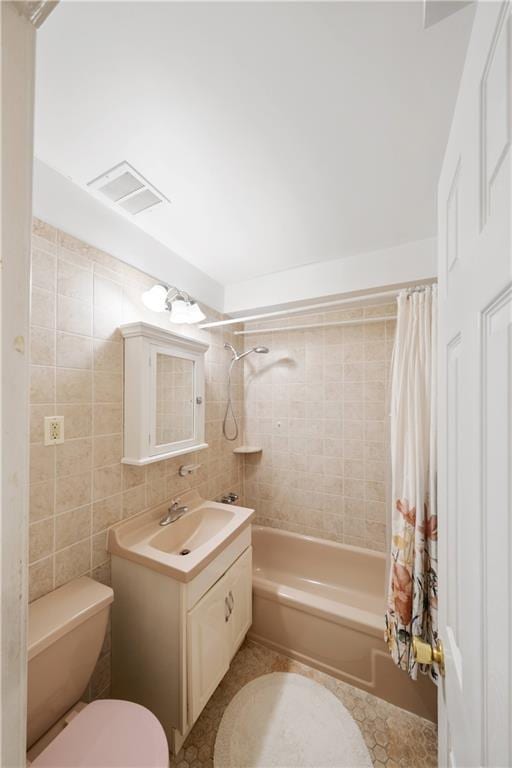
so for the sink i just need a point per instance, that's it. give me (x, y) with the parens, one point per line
(184, 548)
(192, 530)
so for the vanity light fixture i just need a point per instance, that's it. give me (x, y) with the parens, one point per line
(182, 307)
(155, 298)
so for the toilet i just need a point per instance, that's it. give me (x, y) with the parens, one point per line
(66, 633)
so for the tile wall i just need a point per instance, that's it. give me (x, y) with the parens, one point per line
(317, 405)
(78, 489)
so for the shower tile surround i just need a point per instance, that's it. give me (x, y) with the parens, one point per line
(317, 405)
(80, 296)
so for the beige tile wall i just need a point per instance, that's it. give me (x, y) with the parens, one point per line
(317, 404)
(78, 489)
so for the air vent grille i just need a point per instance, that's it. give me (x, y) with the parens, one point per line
(127, 189)
(140, 202)
(118, 188)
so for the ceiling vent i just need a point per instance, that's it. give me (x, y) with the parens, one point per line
(127, 189)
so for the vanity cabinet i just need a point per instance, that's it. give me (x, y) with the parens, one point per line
(164, 391)
(217, 626)
(173, 641)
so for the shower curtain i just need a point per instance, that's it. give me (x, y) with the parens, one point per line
(412, 590)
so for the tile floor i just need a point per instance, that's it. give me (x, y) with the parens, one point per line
(395, 738)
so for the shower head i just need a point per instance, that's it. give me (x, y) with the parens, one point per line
(235, 357)
(239, 355)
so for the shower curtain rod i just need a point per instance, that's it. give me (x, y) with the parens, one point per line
(299, 310)
(306, 326)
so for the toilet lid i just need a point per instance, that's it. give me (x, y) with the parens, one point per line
(108, 733)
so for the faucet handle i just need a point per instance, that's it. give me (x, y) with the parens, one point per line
(229, 498)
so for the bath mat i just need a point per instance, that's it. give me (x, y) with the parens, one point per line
(284, 720)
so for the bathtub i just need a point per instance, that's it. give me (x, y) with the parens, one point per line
(323, 603)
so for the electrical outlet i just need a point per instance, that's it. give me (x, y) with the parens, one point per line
(53, 430)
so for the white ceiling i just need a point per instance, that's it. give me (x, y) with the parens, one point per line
(283, 133)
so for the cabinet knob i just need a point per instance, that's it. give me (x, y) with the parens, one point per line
(231, 601)
(227, 610)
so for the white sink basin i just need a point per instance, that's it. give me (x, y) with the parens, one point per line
(183, 548)
(194, 529)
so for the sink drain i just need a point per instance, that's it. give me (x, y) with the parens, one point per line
(185, 552)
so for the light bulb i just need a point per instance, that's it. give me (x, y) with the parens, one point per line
(186, 311)
(155, 298)
(196, 313)
(179, 311)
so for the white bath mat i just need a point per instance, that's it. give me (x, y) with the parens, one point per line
(285, 720)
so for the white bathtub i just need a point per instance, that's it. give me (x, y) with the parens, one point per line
(323, 603)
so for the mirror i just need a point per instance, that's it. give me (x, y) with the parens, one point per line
(174, 399)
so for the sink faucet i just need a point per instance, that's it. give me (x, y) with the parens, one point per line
(173, 513)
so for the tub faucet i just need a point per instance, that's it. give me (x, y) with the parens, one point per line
(229, 498)
(173, 513)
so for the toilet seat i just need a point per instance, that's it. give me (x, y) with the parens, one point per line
(108, 733)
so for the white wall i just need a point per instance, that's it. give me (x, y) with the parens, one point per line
(412, 262)
(66, 206)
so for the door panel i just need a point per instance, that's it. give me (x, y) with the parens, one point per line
(240, 587)
(496, 510)
(453, 487)
(208, 648)
(475, 406)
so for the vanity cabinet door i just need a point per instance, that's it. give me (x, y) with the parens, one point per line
(240, 600)
(208, 651)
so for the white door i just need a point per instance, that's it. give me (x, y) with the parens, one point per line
(208, 646)
(240, 600)
(475, 408)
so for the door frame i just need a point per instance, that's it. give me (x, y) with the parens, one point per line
(18, 24)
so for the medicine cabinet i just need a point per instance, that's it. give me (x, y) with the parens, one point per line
(164, 409)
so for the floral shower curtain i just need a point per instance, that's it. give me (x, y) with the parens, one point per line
(412, 592)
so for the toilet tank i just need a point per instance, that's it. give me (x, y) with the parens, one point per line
(66, 629)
